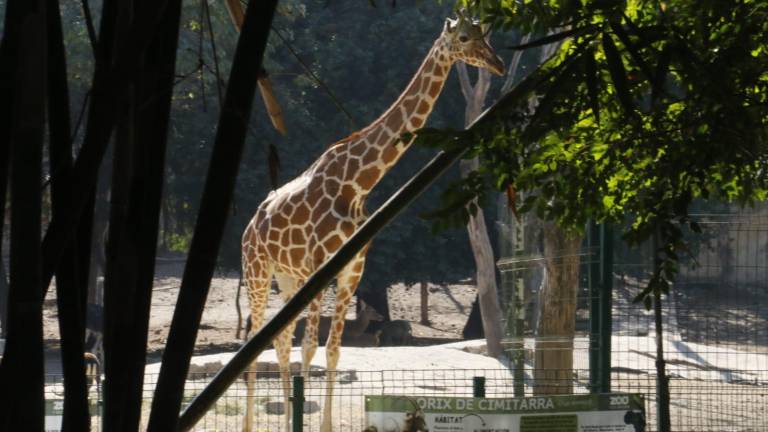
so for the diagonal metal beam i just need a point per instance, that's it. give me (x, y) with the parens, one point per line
(316, 283)
(325, 274)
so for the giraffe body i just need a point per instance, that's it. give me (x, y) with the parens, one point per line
(300, 225)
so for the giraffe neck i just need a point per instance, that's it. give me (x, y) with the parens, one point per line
(373, 151)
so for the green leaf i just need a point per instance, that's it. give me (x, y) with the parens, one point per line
(659, 75)
(695, 227)
(632, 49)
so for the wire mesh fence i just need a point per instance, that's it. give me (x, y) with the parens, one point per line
(351, 387)
(715, 336)
(715, 326)
(697, 404)
(715, 319)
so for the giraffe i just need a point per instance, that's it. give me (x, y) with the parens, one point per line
(304, 222)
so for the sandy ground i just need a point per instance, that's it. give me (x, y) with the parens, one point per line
(714, 387)
(449, 308)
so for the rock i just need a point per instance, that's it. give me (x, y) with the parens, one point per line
(347, 377)
(272, 407)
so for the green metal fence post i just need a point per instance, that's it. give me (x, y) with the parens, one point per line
(593, 277)
(606, 305)
(297, 402)
(478, 387)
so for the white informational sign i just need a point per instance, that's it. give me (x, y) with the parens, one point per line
(54, 410)
(54, 413)
(610, 412)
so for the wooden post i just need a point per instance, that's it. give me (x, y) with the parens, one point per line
(424, 302)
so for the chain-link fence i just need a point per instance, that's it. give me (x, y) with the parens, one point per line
(715, 326)
(715, 320)
(268, 399)
(572, 327)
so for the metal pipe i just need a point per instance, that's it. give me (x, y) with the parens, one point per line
(316, 283)
(323, 276)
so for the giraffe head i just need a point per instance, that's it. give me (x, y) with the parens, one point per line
(465, 40)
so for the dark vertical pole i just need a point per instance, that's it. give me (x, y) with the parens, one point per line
(214, 209)
(662, 381)
(595, 330)
(297, 402)
(6, 108)
(128, 40)
(606, 305)
(119, 281)
(22, 368)
(69, 283)
(98, 131)
(152, 114)
(515, 316)
(140, 141)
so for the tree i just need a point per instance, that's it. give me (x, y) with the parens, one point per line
(641, 112)
(645, 107)
(487, 289)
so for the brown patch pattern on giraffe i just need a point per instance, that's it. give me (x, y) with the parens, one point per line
(368, 176)
(394, 121)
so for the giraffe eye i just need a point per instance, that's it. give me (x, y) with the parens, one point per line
(463, 38)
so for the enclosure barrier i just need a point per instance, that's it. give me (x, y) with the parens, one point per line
(700, 405)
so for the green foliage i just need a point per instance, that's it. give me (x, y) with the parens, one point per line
(646, 107)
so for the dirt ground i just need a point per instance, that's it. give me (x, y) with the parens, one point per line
(449, 307)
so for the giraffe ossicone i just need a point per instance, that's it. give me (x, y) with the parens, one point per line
(304, 222)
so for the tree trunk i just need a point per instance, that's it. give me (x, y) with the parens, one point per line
(424, 289)
(553, 364)
(476, 228)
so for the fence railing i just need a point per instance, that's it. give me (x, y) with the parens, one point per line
(700, 403)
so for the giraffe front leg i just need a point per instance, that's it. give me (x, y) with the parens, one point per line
(310, 339)
(257, 281)
(283, 344)
(347, 281)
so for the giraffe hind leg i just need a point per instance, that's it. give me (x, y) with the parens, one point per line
(310, 340)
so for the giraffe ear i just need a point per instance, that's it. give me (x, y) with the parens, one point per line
(450, 25)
